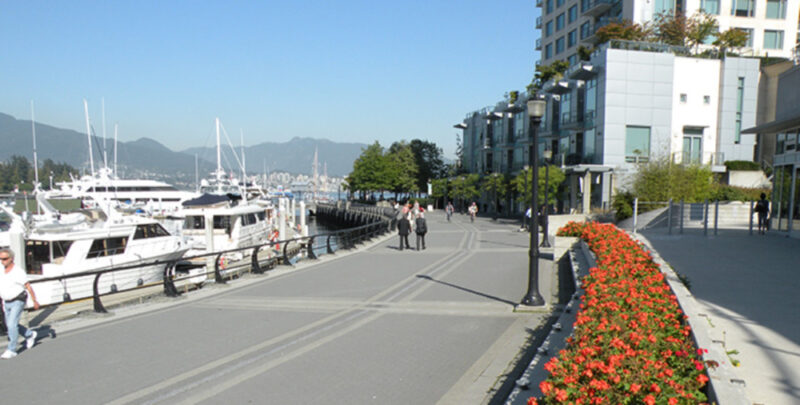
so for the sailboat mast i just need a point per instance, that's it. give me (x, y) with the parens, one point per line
(89, 135)
(105, 153)
(116, 126)
(219, 157)
(35, 159)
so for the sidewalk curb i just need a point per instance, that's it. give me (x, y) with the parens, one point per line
(725, 387)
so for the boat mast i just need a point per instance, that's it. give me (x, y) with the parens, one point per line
(89, 135)
(219, 161)
(35, 160)
(105, 154)
(196, 175)
(116, 126)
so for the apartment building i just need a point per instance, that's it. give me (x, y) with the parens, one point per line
(630, 103)
(567, 24)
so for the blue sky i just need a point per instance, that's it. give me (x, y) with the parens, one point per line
(347, 70)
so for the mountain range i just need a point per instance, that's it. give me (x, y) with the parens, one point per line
(147, 156)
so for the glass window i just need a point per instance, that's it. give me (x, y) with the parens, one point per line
(737, 136)
(590, 99)
(548, 51)
(776, 9)
(749, 32)
(664, 6)
(559, 3)
(549, 6)
(791, 139)
(572, 38)
(586, 29)
(566, 107)
(548, 28)
(706, 99)
(107, 247)
(573, 59)
(780, 143)
(743, 8)
(560, 22)
(773, 39)
(710, 6)
(637, 144)
(194, 222)
(559, 45)
(683, 98)
(572, 13)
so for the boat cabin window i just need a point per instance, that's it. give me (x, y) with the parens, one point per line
(194, 222)
(249, 219)
(38, 252)
(107, 247)
(149, 231)
(223, 222)
(261, 216)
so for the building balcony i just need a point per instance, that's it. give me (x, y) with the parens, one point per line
(599, 23)
(538, 22)
(572, 120)
(716, 160)
(594, 8)
(538, 44)
(557, 86)
(538, 3)
(582, 71)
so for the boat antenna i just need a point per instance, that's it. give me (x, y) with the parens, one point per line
(89, 135)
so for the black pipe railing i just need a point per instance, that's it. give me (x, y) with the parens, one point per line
(374, 221)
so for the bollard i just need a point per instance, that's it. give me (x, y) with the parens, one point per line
(716, 216)
(669, 216)
(680, 220)
(751, 217)
(705, 219)
(635, 212)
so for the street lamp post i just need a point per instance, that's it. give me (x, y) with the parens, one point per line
(545, 215)
(524, 212)
(536, 108)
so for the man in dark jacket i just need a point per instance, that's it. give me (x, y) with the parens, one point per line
(421, 229)
(403, 229)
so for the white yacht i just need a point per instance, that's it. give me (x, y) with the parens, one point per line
(53, 245)
(151, 196)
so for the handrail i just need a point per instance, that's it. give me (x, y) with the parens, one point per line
(381, 220)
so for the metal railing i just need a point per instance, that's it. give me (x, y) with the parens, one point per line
(375, 221)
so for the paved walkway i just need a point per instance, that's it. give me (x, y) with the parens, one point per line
(749, 287)
(373, 325)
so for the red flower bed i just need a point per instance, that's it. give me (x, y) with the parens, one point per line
(630, 344)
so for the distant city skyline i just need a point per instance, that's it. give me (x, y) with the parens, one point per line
(349, 71)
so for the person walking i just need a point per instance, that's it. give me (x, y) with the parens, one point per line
(762, 208)
(449, 211)
(14, 290)
(421, 229)
(403, 229)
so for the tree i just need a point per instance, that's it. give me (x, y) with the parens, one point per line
(428, 158)
(546, 72)
(731, 38)
(370, 171)
(440, 188)
(495, 185)
(625, 30)
(701, 27)
(402, 168)
(522, 184)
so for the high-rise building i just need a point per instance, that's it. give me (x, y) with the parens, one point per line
(567, 24)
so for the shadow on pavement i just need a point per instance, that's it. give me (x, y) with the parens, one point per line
(491, 297)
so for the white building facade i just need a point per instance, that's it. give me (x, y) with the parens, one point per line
(565, 25)
(621, 108)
